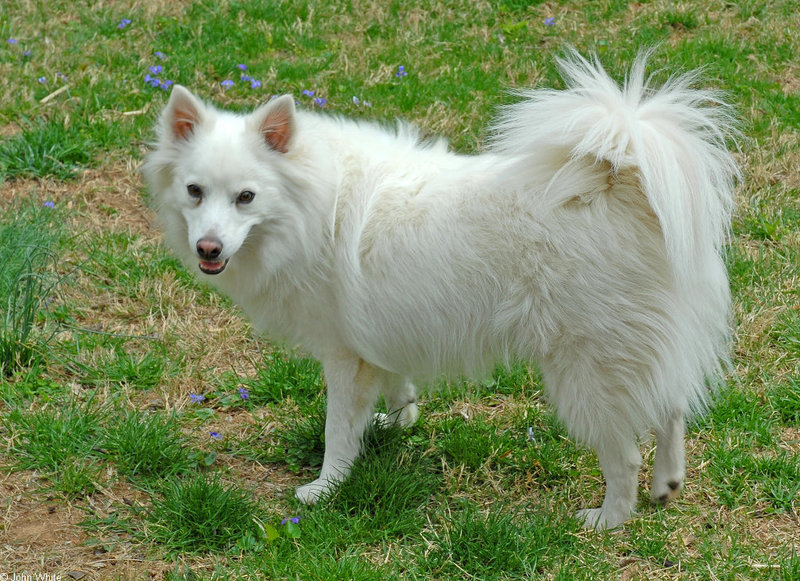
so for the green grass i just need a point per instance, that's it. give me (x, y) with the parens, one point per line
(282, 375)
(28, 282)
(201, 514)
(45, 148)
(499, 544)
(96, 374)
(147, 445)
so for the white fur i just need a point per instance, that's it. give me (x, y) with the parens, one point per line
(587, 238)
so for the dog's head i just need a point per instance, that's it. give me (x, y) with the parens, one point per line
(222, 180)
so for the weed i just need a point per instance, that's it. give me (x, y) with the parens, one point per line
(301, 443)
(283, 375)
(385, 495)
(147, 445)
(501, 542)
(45, 149)
(27, 282)
(200, 514)
(48, 438)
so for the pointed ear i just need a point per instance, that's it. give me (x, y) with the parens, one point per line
(183, 113)
(276, 122)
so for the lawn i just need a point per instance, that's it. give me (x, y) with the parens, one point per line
(149, 433)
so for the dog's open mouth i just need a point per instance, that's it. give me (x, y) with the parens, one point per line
(213, 267)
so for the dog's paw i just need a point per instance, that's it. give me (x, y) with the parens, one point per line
(601, 519)
(403, 418)
(312, 492)
(664, 490)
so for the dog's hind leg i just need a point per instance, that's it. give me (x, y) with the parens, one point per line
(352, 391)
(401, 402)
(595, 406)
(669, 468)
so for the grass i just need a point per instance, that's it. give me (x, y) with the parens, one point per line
(148, 445)
(200, 514)
(27, 282)
(104, 336)
(45, 148)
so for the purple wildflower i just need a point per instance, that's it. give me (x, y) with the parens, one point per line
(42, 80)
(196, 398)
(401, 71)
(254, 84)
(124, 23)
(549, 21)
(320, 101)
(308, 93)
(26, 53)
(246, 78)
(12, 41)
(216, 435)
(241, 67)
(243, 393)
(156, 69)
(166, 84)
(160, 55)
(294, 519)
(49, 204)
(226, 84)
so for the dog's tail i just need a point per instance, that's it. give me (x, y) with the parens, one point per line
(674, 138)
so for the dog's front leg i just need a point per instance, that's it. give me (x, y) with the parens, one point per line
(352, 391)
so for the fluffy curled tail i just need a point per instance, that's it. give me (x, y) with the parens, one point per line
(674, 137)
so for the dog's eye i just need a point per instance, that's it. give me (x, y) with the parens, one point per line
(195, 191)
(245, 197)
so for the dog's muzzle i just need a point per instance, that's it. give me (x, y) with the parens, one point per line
(209, 250)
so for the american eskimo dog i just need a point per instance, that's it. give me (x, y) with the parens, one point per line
(586, 238)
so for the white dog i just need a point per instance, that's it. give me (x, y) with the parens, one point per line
(587, 238)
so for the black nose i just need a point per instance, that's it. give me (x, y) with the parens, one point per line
(209, 248)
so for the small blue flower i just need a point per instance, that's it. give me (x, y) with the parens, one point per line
(241, 67)
(216, 435)
(308, 93)
(156, 69)
(61, 77)
(356, 101)
(226, 84)
(124, 23)
(196, 398)
(166, 84)
(12, 41)
(320, 101)
(254, 84)
(245, 78)
(26, 53)
(49, 204)
(42, 80)
(294, 519)
(401, 71)
(160, 55)
(549, 21)
(243, 393)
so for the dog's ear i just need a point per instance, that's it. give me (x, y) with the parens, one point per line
(276, 122)
(183, 113)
